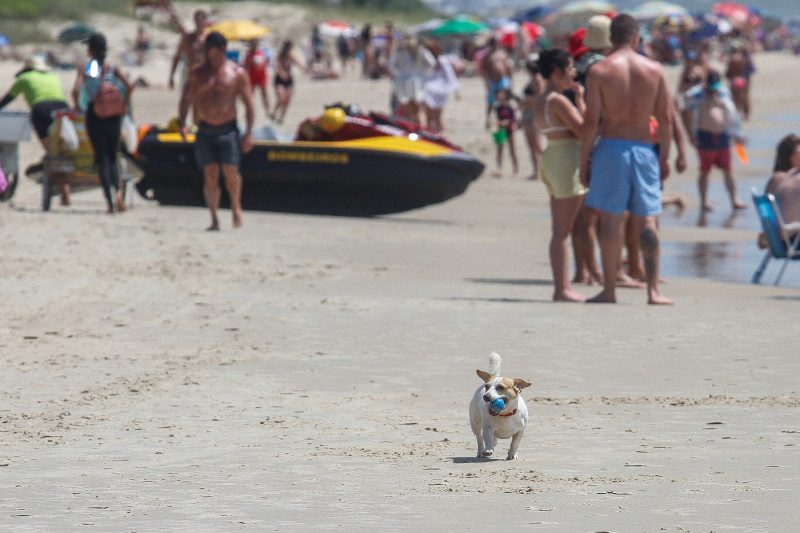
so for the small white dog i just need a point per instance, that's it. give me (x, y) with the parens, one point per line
(497, 411)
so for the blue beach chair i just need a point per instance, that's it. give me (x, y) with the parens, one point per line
(783, 239)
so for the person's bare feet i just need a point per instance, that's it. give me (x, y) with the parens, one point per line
(496, 173)
(588, 279)
(237, 219)
(214, 226)
(532, 177)
(708, 208)
(739, 205)
(602, 298)
(656, 298)
(627, 282)
(568, 295)
(121, 203)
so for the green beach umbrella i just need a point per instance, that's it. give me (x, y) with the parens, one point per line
(460, 26)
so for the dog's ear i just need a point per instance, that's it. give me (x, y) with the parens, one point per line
(521, 383)
(485, 376)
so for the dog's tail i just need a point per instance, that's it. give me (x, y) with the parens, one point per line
(494, 364)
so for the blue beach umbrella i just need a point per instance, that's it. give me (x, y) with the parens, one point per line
(534, 14)
(75, 32)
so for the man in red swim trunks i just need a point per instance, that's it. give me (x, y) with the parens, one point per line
(256, 63)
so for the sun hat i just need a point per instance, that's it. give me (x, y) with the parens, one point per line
(598, 32)
(37, 62)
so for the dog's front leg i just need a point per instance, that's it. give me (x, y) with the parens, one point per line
(481, 446)
(488, 441)
(515, 440)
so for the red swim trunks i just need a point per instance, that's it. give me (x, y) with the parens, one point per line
(719, 157)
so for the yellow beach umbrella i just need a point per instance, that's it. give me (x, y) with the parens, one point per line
(240, 30)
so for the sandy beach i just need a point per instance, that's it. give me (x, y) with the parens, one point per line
(310, 372)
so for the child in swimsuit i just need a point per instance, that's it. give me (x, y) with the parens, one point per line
(505, 121)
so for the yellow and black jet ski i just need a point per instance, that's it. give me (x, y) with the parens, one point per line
(339, 163)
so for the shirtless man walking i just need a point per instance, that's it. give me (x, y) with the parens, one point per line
(496, 70)
(190, 47)
(625, 90)
(212, 90)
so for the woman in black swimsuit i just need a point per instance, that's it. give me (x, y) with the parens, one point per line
(284, 83)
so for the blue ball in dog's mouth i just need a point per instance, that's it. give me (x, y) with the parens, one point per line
(497, 405)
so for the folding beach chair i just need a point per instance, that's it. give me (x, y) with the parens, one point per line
(783, 239)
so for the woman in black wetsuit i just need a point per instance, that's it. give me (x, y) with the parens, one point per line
(104, 133)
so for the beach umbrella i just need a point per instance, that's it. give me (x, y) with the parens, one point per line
(736, 14)
(575, 15)
(240, 30)
(427, 26)
(595, 7)
(534, 14)
(532, 30)
(460, 26)
(654, 10)
(75, 32)
(335, 28)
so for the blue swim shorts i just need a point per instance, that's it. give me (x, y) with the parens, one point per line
(217, 145)
(625, 176)
(496, 85)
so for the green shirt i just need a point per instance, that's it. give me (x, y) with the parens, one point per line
(38, 87)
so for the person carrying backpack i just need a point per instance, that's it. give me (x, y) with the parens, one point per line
(103, 92)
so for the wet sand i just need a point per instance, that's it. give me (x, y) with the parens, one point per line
(315, 372)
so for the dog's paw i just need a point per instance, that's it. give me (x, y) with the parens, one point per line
(488, 453)
(511, 457)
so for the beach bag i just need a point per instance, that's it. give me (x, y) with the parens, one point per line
(69, 135)
(130, 137)
(108, 102)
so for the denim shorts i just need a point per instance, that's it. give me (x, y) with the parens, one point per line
(625, 176)
(217, 145)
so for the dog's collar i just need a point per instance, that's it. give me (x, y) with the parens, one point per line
(512, 413)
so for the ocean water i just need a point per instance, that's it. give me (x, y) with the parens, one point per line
(784, 8)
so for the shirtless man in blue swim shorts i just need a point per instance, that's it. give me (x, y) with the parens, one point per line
(212, 91)
(623, 171)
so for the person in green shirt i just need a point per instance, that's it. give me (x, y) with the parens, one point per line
(42, 91)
